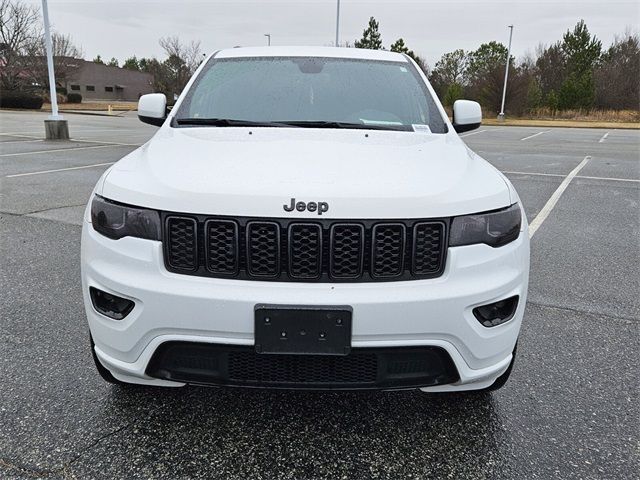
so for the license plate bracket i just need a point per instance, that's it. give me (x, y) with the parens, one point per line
(303, 330)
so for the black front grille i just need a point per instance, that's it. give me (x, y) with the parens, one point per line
(312, 251)
(427, 248)
(182, 243)
(388, 250)
(363, 368)
(263, 249)
(221, 250)
(305, 250)
(347, 250)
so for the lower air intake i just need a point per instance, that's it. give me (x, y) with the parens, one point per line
(363, 368)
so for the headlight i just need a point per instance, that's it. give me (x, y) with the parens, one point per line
(493, 228)
(115, 220)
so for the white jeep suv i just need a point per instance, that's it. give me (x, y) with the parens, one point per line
(305, 218)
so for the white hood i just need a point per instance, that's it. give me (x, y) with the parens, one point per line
(255, 171)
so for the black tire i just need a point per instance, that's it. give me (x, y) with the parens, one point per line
(502, 379)
(104, 373)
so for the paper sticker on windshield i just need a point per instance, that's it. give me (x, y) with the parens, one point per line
(419, 128)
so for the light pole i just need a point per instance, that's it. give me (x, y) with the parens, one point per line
(55, 126)
(268, 35)
(338, 24)
(506, 76)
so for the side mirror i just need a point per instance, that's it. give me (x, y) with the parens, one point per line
(467, 115)
(152, 109)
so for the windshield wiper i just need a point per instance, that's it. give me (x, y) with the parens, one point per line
(226, 122)
(346, 125)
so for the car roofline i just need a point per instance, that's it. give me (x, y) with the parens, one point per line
(325, 52)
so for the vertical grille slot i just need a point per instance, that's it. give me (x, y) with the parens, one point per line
(182, 251)
(387, 250)
(263, 249)
(221, 240)
(346, 250)
(305, 250)
(428, 251)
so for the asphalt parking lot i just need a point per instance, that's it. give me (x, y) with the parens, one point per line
(570, 409)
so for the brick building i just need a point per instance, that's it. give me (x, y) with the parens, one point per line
(95, 81)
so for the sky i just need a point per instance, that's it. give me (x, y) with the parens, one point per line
(119, 28)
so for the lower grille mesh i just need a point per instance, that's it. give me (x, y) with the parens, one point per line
(250, 367)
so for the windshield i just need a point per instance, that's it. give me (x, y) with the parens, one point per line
(310, 92)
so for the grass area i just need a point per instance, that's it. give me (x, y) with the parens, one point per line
(545, 117)
(534, 122)
(579, 115)
(623, 119)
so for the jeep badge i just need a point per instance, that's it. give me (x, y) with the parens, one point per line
(319, 207)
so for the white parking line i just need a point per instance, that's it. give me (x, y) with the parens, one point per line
(84, 140)
(72, 149)
(534, 173)
(611, 179)
(73, 139)
(553, 200)
(19, 135)
(59, 170)
(472, 133)
(534, 135)
(604, 137)
(21, 141)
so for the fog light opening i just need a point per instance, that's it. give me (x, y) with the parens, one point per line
(497, 313)
(110, 305)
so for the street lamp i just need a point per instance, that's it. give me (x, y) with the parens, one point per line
(338, 24)
(55, 126)
(506, 76)
(268, 35)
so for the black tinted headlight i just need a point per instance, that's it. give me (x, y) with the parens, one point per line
(115, 220)
(494, 228)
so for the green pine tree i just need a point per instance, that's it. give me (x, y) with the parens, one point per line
(371, 38)
(582, 52)
(131, 63)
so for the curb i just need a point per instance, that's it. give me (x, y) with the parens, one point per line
(96, 113)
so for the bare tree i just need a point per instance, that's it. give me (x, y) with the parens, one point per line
(182, 60)
(190, 53)
(616, 77)
(450, 70)
(19, 27)
(66, 63)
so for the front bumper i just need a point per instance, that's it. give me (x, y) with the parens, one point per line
(174, 307)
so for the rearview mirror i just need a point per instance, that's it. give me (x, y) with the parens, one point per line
(152, 109)
(467, 115)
